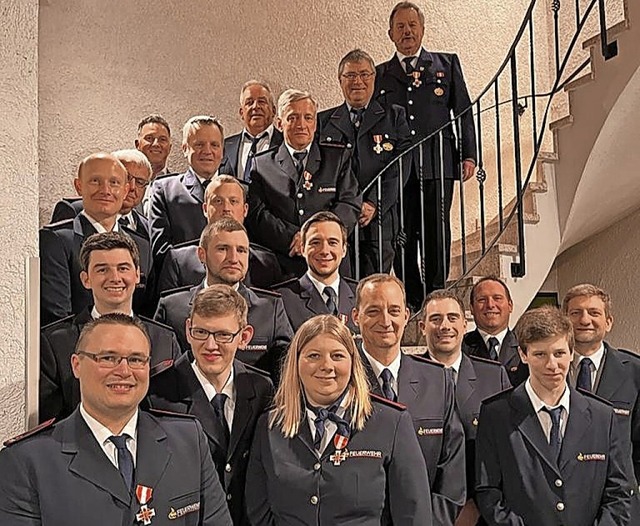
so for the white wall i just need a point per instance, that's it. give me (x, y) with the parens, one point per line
(19, 201)
(610, 260)
(104, 65)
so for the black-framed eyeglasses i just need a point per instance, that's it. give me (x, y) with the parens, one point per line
(110, 361)
(362, 76)
(218, 336)
(139, 182)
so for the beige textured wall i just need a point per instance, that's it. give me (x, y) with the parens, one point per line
(103, 65)
(19, 204)
(610, 260)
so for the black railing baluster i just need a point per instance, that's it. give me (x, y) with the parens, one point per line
(356, 240)
(481, 177)
(423, 236)
(400, 244)
(532, 72)
(517, 269)
(555, 7)
(577, 14)
(379, 220)
(463, 228)
(609, 50)
(443, 211)
(498, 155)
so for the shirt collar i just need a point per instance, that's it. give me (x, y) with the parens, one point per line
(350, 107)
(456, 365)
(500, 336)
(98, 226)
(401, 57)
(95, 314)
(596, 358)
(201, 179)
(394, 366)
(538, 404)
(102, 432)
(209, 389)
(335, 285)
(247, 137)
(235, 287)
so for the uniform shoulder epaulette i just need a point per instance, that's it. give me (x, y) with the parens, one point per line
(158, 368)
(632, 354)
(156, 323)
(498, 395)
(332, 144)
(57, 323)
(422, 359)
(192, 243)
(265, 292)
(389, 403)
(39, 428)
(350, 280)
(285, 283)
(482, 359)
(59, 224)
(169, 292)
(163, 413)
(589, 394)
(258, 246)
(265, 152)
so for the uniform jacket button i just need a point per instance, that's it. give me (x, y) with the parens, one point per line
(227, 468)
(558, 483)
(301, 212)
(316, 466)
(560, 506)
(314, 500)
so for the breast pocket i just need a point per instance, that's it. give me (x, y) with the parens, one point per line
(184, 509)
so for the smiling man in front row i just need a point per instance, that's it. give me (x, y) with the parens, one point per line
(545, 453)
(109, 463)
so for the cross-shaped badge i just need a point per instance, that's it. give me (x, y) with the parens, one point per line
(338, 457)
(145, 514)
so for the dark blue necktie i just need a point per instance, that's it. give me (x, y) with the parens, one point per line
(125, 459)
(331, 303)
(252, 153)
(218, 402)
(387, 388)
(299, 162)
(584, 374)
(493, 348)
(356, 117)
(322, 415)
(555, 438)
(408, 66)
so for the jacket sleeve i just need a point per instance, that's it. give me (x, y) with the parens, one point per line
(407, 479)
(159, 222)
(50, 391)
(169, 275)
(348, 197)
(615, 505)
(55, 277)
(489, 495)
(265, 227)
(460, 102)
(449, 487)
(19, 505)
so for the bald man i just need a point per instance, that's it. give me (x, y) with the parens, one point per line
(102, 182)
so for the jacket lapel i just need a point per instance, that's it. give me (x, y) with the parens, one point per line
(284, 160)
(374, 114)
(341, 120)
(193, 185)
(313, 299)
(612, 373)
(198, 403)
(408, 383)
(371, 375)
(509, 356)
(345, 298)
(577, 425)
(313, 159)
(153, 453)
(394, 68)
(465, 385)
(245, 402)
(88, 460)
(529, 425)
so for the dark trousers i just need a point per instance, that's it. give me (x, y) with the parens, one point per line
(435, 223)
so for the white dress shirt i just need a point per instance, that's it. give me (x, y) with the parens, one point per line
(394, 368)
(228, 389)
(543, 416)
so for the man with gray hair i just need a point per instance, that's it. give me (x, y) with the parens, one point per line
(257, 110)
(300, 178)
(176, 201)
(376, 135)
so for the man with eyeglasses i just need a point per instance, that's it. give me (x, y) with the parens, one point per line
(257, 110)
(110, 463)
(208, 382)
(110, 272)
(224, 251)
(375, 135)
(431, 87)
(130, 221)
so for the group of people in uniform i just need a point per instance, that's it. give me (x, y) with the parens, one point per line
(206, 357)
